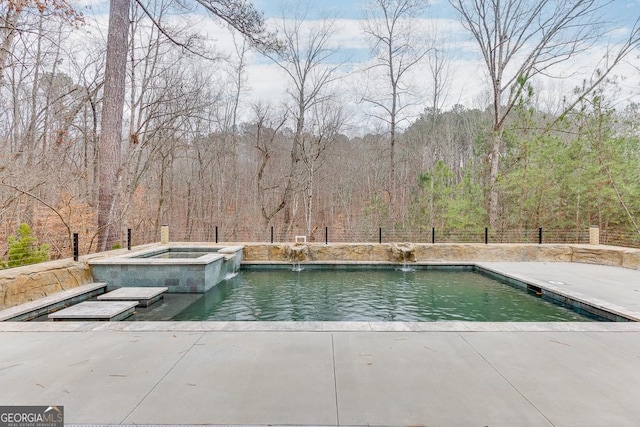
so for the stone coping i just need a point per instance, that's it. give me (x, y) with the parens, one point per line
(194, 326)
(347, 263)
(138, 257)
(568, 295)
(440, 253)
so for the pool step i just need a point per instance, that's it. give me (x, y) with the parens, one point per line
(51, 303)
(145, 296)
(96, 310)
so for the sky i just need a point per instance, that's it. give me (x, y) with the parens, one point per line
(467, 78)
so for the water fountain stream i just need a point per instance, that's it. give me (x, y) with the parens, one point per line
(296, 257)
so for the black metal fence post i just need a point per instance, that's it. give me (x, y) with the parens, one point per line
(380, 235)
(540, 235)
(272, 234)
(76, 248)
(128, 239)
(216, 234)
(326, 235)
(433, 235)
(486, 235)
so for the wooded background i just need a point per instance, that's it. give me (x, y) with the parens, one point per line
(195, 153)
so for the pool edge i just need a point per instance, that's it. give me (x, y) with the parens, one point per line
(313, 327)
(598, 308)
(610, 312)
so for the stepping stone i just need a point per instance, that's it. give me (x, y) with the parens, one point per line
(96, 310)
(144, 295)
(53, 302)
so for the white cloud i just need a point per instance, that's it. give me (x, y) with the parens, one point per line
(86, 3)
(267, 82)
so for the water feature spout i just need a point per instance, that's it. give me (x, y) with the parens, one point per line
(405, 253)
(296, 256)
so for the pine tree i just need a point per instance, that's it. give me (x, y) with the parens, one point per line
(24, 248)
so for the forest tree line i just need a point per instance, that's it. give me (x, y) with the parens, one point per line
(198, 156)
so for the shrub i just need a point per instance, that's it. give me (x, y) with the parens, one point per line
(24, 248)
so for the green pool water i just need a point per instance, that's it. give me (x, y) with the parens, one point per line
(371, 295)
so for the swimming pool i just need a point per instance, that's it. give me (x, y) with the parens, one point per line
(364, 295)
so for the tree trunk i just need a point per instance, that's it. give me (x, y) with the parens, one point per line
(493, 181)
(109, 150)
(290, 187)
(7, 23)
(311, 176)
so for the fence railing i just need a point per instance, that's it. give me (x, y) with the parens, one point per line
(382, 235)
(217, 234)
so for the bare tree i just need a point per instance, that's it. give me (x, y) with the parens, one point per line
(520, 39)
(238, 82)
(11, 25)
(264, 135)
(239, 14)
(391, 27)
(165, 94)
(439, 65)
(327, 122)
(306, 58)
(36, 99)
(434, 146)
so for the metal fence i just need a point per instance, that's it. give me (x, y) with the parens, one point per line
(218, 234)
(382, 235)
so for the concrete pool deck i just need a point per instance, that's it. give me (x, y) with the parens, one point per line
(434, 374)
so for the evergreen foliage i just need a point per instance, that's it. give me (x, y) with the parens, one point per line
(443, 202)
(24, 248)
(582, 171)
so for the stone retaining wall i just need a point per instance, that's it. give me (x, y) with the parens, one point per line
(442, 252)
(30, 282)
(23, 284)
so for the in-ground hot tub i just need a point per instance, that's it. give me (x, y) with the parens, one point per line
(181, 268)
